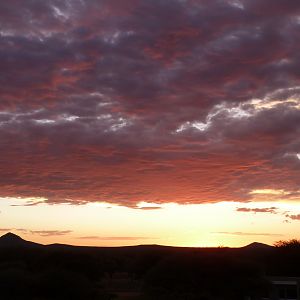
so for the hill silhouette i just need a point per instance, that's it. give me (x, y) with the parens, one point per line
(257, 246)
(12, 240)
(58, 271)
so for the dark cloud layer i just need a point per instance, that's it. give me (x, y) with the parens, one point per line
(161, 101)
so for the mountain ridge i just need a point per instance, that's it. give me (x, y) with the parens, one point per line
(13, 240)
(10, 239)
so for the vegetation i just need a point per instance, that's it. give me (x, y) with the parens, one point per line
(293, 243)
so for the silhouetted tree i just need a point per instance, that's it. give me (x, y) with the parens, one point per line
(290, 244)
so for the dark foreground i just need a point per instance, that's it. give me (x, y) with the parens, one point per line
(37, 272)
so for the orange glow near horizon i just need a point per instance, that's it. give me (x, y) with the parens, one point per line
(98, 224)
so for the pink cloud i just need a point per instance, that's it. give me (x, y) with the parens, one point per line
(148, 101)
(272, 210)
(293, 217)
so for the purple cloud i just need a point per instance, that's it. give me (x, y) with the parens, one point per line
(155, 101)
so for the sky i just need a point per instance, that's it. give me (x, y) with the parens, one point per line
(173, 122)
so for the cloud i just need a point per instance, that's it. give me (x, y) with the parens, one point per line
(44, 233)
(150, 208)
(272, 210)
(47, 233)
(293, 217)
(5, 229)
(154, 101)
(113, 238)
(29, 203)
(248, 233)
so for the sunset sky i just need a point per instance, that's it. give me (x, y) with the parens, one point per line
(173, 122)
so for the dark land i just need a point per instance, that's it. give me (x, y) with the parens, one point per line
(37, 272)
